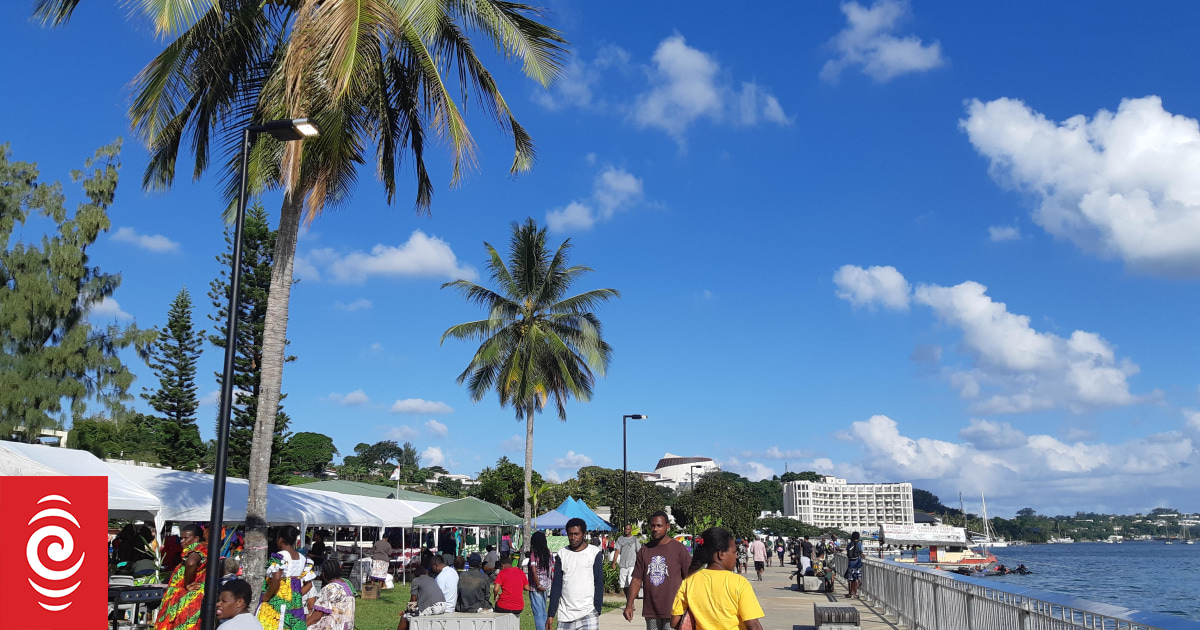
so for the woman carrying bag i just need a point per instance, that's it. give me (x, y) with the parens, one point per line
(714, 596)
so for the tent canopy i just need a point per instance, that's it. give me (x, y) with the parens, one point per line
(126, 499)
(468, 511)
(373, 490)
(574, 508)
(187, 496)
(552, 520)
(389, 512)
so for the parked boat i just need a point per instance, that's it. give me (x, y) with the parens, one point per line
(989, 538)
(947, 548)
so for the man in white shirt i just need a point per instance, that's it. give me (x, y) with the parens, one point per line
(233, 607)
(577, 592)
(447, 580)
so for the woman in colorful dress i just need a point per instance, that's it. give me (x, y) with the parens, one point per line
(334, 608)
(180, 608)
(283, 590)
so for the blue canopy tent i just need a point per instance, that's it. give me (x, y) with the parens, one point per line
(552, 520)
(574, 508)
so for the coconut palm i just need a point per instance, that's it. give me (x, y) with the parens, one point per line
(375, 75)
(536, 344)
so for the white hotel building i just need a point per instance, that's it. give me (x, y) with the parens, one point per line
(850, 506)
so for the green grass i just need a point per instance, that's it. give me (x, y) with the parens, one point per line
(384, 613)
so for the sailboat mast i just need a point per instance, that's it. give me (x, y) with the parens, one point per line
(987, 528)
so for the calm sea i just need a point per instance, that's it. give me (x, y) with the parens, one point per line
(1149, 576)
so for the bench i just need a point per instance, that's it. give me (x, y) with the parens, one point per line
(835, 616)
(466, 621)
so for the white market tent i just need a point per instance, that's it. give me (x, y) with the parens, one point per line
(388, 512)
(187, 496)
(126, 499)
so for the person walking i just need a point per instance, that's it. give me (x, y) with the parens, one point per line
(541, 577)
(767, 545)
(854, 565)
(779, 550)
(758, 553)
(283, 597)
(577, 594)
(510, 587)
(381, 558)
(626, 556)
(181, 603)
(806, 549)
(660, 568)
(743, 557)
(714, 595)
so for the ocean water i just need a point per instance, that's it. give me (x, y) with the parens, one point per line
(1149, 576)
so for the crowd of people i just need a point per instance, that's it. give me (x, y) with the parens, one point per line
(704, 583)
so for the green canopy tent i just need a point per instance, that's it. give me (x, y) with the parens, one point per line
(468, 512)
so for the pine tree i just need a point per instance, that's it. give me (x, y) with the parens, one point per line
(173, 359)
(258, 243)
(50, 354)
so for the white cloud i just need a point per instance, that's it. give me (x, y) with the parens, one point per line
(432, 456)
(572, 460)
(420, 406)
(872, 287)
(353, 399)
(987, 435)
(1119, 185)
(1034, 370)
(108, 308)
(1105, 477)
(687, 85)
(402, 433)
(1000, 233)
(436, 428)
(575, 87)
(152, 242)
(614, 189)
(421, 256)
(356, 305)
(754, 471)
(513, 444)
(552, 476)
(775, 452)
(211, 399)
(868, 42)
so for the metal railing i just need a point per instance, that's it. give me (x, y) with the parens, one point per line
(922, 598)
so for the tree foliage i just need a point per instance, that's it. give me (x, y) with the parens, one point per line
(376, 462)
(504, 485)
(309, 452)
(258, 258)
(50, 354)
(806, 475)
(173, 359)
(604, 486)
(128, 435)
(717, 497)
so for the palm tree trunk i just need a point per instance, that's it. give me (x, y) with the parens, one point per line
(271, 380)
(527, 532)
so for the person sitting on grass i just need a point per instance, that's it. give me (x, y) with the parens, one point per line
(427, 599)
(233, 607)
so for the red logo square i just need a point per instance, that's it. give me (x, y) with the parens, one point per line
(55, 553)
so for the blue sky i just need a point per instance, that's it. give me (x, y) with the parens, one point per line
(953, 245)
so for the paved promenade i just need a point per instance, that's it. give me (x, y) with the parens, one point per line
(786, 609)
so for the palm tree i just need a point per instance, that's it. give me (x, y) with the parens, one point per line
(371, 73)
(536, 344)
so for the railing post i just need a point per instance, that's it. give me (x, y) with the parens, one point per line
(937, 613)
(1024, 614)
(969, 605)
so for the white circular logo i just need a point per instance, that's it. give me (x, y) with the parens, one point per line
(59, 551)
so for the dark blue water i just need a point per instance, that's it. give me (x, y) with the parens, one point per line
(1149, 576)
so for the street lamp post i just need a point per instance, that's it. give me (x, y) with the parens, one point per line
(692, 469)
(625, 461)
(285, 131)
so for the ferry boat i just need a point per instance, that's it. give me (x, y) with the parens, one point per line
(949, 549)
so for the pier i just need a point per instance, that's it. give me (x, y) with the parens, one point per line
(920, 598)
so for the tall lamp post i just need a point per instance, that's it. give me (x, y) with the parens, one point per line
(284, 131)
(625, 461)
(692, 469)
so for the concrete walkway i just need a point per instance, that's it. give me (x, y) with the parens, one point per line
(786, 607)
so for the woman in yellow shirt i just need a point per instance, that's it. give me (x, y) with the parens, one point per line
(717, 597)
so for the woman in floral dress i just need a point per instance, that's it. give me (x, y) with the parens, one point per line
(334, 608)
(180, 608)
(283, 590)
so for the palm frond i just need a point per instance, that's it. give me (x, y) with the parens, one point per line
(54, 12)
(508, 25)
(174, 16)
(585, 302)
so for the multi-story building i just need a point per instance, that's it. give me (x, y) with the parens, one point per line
(677, 472)
(832, 502)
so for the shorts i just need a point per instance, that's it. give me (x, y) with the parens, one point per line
(656, 623)
(626, 577)
(759, 565)
(439, 608)
(515, 613)
(590, 622)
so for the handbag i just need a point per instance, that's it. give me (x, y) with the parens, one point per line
(687, 623)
